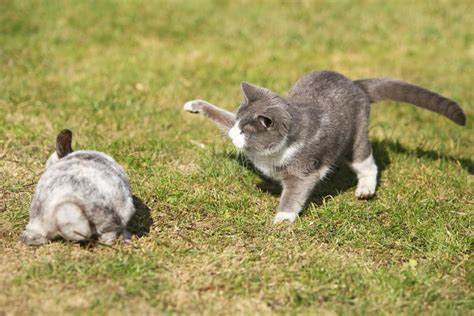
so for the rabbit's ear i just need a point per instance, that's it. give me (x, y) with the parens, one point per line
(63, 143)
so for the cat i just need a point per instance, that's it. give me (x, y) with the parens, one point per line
(299, 138)
(82, 195)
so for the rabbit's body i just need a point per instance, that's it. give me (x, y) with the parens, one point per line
(81, 195)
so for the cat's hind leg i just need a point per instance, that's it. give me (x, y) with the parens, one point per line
(366, 171)
(223, 119)
(361, 160)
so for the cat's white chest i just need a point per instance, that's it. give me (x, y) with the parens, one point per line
(268, 166)
(271, 164)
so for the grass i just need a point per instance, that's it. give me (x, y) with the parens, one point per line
(117, 74)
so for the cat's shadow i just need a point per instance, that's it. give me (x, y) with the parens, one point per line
(466, 163)
(140, 223)
(340, 180)
(343, 178)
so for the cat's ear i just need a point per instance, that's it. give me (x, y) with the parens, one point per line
(266, 121)
(252, 92)
(63, 143)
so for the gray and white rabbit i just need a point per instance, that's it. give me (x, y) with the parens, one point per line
(81, 195)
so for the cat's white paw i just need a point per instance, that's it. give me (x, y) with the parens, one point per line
(192, 106)
(285, 216)
(364, 192)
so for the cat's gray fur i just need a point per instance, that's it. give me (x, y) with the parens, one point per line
(81, 195)
(297, 139)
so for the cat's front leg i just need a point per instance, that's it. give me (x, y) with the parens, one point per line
(223, 119)
(296, 191)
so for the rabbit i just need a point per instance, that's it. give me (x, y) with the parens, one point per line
(82, 195)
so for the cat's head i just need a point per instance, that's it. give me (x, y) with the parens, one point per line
(262, 121)
(63, 147)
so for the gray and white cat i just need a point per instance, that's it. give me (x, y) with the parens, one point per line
(297, 139)
(81, 195)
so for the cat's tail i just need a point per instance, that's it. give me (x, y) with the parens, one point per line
(379, 89)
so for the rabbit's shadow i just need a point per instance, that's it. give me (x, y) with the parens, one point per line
(140, 223)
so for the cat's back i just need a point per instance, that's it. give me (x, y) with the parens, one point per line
(325, 88)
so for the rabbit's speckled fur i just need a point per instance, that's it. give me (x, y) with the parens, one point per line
(81, 195)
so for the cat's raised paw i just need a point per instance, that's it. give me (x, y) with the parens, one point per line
(364, 192)
(193, 106)
(285, 216)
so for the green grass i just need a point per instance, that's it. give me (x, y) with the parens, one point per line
(118, 72)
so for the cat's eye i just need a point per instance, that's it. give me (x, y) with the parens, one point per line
(265, 121)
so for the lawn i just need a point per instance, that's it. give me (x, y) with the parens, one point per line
(117, 73)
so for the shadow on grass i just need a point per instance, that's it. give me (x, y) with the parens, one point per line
(339, 181)
(466, 164)
(343, 178)
(141, 221)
